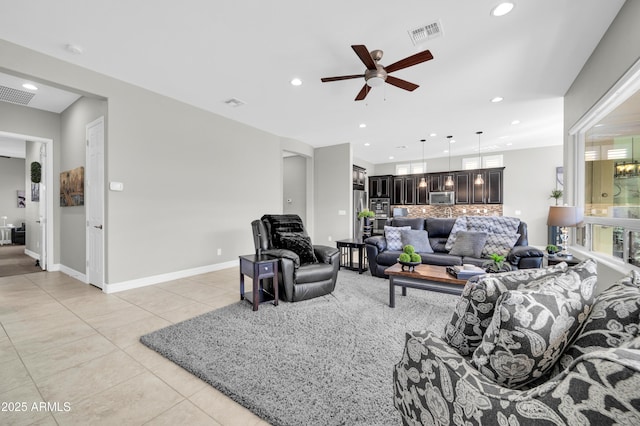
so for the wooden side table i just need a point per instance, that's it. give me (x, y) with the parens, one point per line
(259, 268)
(571, 261)
(346, 248)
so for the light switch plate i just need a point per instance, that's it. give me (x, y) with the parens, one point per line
(116, 186)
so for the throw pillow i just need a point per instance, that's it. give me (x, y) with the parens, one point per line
(459, 225)
(499, 244)
(530, 330)
(493, 224)
(393, 235)
(614, 319)
(475, 307)
(469, 244)
(299, 243)
(418, 239)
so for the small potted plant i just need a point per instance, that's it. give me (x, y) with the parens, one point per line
(552, 249)
(367, 214)
(496, 263)
(409, 258)
(557, 194)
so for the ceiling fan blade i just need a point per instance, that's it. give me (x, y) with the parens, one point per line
(410, 61)
(403, 84)
(364, 55)
(342, 77)
(363, 93)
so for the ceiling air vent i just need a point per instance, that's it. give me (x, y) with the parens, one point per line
(233, 102)
(426, 32)
(15, 96)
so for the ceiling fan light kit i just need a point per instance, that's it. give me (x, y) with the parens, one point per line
(375, 74)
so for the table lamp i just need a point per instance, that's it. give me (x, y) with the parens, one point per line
(564, 217)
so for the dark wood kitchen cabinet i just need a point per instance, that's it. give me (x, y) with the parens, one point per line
(462, 187)
(404, 190)
(493, 182)
(359, 177)
(380, 186)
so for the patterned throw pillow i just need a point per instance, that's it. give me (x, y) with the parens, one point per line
(614, 319)
(393, 236)
(499, 244)
(469, 243)
(494, 224)
(418, 239)
(459, 225)
(475, 307)
(299, 243)
(530, 330)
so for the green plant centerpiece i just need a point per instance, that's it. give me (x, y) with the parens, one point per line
(409, 258)
(552, 249)
(496, 263)
(557, 194)
(366, 213)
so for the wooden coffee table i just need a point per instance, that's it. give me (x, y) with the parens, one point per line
(424, 277)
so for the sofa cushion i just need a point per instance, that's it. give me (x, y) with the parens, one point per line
(393, 236)
(499, 243)
(388, 257)
(614, 320)
(297, 242)
(416, 223)
(418, 239)
(459, 225)
(493, 224)
(530, 329)
(469, 243)
(475, 307)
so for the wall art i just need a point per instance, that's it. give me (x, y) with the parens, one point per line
(72, 187)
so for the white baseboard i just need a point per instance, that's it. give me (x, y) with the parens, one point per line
(157, 279)
(32, 254)
(71, 272)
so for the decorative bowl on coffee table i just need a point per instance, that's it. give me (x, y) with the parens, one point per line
(411, 266)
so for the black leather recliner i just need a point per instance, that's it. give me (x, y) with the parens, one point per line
(297, 280)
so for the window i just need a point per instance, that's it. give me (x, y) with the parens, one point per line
(487, 161)
(611, 176)
(411, 168)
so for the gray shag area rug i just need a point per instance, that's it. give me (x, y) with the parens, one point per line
(325, 361)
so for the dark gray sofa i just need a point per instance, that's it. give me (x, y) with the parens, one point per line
(521, 256)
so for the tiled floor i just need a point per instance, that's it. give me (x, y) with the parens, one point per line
(69, 354)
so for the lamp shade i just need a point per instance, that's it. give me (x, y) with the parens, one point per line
(565, 216)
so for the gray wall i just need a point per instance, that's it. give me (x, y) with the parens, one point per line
(333, 194)
(618, 50)
(11, 180)
(72, 154)
(295, 186)
(529, 177)
(193, 181)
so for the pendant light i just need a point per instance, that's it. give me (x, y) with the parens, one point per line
(449, 181)
(479, 180)
(423, 181)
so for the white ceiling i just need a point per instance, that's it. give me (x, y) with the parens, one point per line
(204, 52)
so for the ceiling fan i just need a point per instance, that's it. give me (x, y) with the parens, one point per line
(376, 74)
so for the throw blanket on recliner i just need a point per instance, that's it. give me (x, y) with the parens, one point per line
(502, 232)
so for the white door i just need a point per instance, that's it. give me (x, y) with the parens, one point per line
(42, 207)
(94, 200)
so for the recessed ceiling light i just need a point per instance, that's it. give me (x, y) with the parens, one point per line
(391, 158)
(497, 99)
(514, 122)
(509, 143)
(433, 135)
(367, 144)
(452, 141)
(401, 147)
(502, 8)
(29, 86)
(362, 125)
(446, 150)
(296, 82)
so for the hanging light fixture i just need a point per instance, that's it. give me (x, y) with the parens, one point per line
(449, 181)
(479, 180)
(423, 180)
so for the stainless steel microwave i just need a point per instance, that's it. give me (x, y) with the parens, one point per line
(443, 198)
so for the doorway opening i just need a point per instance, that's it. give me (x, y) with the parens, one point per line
(39, 233)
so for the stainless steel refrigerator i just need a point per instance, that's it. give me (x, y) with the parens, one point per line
(359, 203)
